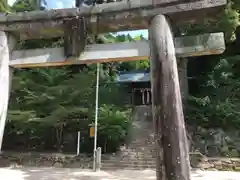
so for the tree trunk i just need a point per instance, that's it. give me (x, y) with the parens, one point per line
(6, 45)
(171, 140)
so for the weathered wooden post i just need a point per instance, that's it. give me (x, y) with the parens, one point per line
(172, 150)
(7, 43)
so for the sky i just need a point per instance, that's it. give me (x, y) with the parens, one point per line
(58, 4)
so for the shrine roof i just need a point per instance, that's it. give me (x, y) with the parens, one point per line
(128, 77)
(134, 77)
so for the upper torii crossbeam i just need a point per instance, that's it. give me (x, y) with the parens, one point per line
(171, 140)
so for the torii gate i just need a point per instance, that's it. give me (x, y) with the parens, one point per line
(172, 151)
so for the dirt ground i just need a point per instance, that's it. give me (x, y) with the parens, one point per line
(77, 174)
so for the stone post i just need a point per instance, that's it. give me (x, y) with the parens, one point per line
(7, 43)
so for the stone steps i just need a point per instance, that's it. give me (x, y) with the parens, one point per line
(140, 150)
(139, 145)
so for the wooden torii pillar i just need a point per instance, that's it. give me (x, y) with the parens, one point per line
(172, 157)
(167, 108)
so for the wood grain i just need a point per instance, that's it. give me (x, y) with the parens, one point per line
(75, 37)
(110, 17)
(171, 140)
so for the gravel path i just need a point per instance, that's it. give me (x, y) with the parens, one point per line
(76, 174)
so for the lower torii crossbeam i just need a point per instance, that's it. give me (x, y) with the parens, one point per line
(199, 45)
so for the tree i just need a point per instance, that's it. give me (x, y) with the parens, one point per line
(4, 7)
(28, 5)
(226, 22)
(113, 126)
(214, 99)
(45, 103)
(217, 104)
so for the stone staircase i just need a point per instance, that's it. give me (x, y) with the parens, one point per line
(139, 150)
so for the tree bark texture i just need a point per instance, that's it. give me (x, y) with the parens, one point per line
(171, 140)
(6, 46)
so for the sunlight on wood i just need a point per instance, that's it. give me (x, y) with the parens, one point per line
(200, 45)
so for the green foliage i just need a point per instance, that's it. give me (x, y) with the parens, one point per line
(226, 22)
(61, 102)
(4, 6)
(217, 105)
(23, 5)
(113, 123)
(48, 104)
(113, 127)
(26, 5)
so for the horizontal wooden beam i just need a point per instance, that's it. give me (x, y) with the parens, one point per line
(109, 17)
(205, 44)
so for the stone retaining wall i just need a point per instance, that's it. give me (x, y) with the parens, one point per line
(85, 162)
(202, 162)
(222, 164)
(45, 160)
